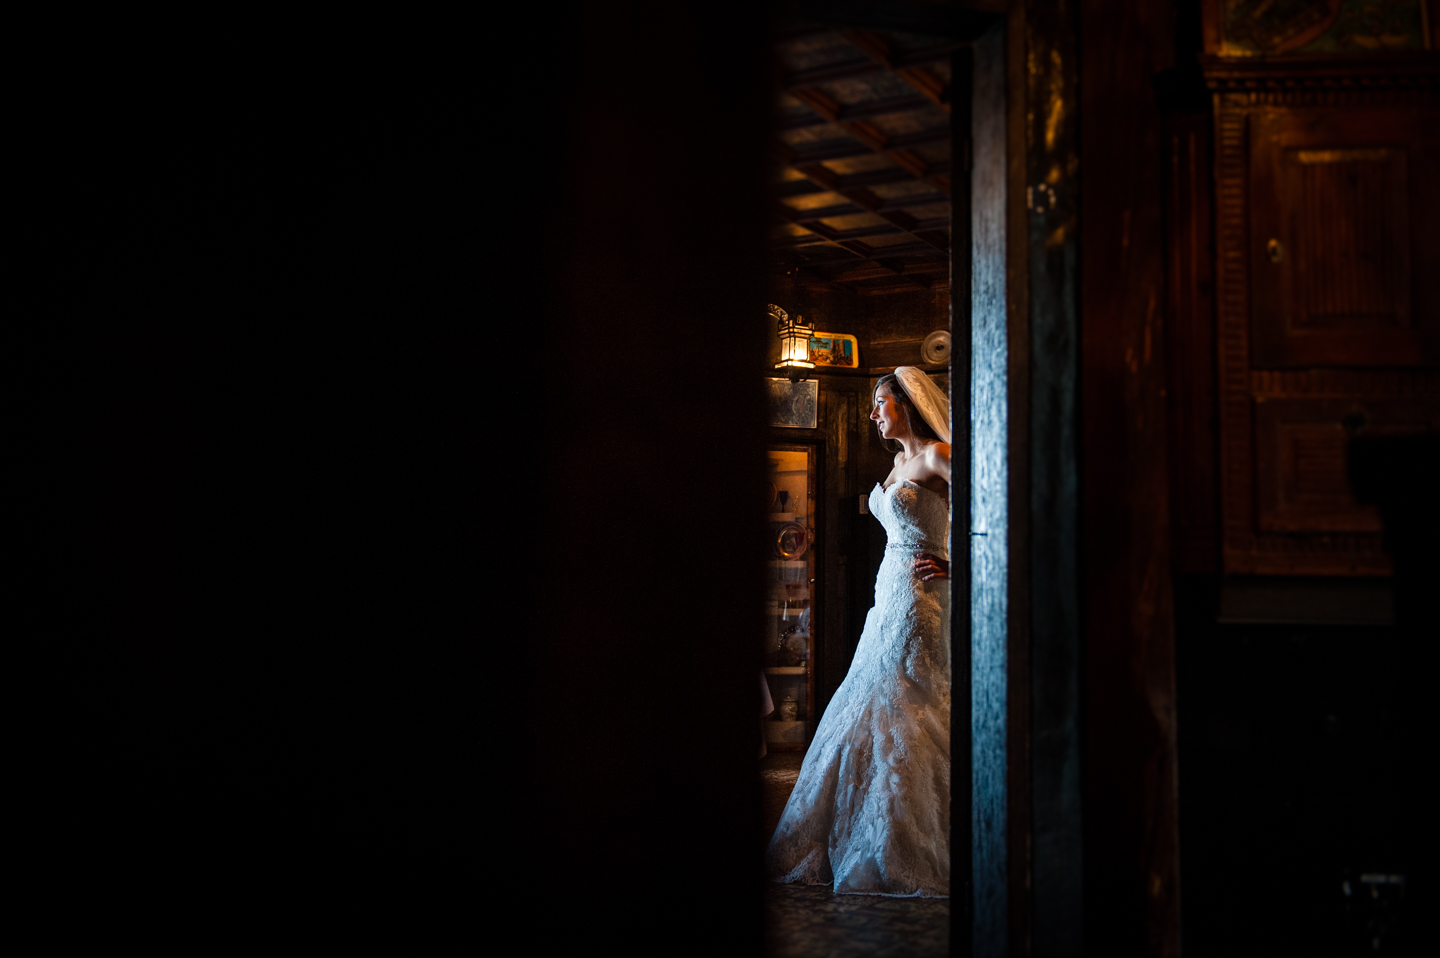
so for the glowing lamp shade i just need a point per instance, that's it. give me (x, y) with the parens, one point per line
(794, 341)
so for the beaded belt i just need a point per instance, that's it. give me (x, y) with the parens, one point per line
(911, 548)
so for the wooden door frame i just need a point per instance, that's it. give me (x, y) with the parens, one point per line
(1016, 833)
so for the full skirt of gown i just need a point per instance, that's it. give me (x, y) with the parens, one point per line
(870, 812)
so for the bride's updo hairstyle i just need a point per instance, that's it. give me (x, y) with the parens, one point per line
(917, 422)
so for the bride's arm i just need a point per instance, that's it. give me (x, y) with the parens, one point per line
(937, 460)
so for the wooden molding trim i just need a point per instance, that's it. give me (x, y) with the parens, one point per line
(1349, 555)
(1391, 73)
(1346, 383)
(1237, 512)
(1314, 96)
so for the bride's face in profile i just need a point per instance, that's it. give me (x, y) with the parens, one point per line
(888, 416)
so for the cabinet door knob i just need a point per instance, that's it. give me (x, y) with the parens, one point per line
(1275, 251)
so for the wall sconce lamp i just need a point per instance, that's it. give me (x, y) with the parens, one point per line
(794, 343)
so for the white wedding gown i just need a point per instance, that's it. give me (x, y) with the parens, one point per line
(870, 813)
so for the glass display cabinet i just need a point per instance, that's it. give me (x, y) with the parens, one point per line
(789, 642)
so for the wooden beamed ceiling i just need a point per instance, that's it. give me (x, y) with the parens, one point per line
(862, 137)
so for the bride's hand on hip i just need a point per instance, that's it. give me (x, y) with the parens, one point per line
(929, 567)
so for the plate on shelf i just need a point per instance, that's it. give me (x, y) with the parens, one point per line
(796, 647)
(936, 348)
(791, 540)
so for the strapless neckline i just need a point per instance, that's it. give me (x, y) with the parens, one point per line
(884, 488)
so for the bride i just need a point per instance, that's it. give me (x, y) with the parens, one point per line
(870, 813)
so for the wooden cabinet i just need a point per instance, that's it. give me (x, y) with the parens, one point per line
(1302, 479)
(1342, 211)
(1327, 196)
(790, 631)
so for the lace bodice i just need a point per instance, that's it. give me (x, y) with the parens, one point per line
(914, 518)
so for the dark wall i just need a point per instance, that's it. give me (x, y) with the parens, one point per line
(1055, 867)
(1298, 772)
(1131, 849)
(408, 559)
(273, 299)
(1300, 727)
(648, 522)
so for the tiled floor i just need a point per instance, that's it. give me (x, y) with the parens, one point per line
(778, 771)
(811, 921)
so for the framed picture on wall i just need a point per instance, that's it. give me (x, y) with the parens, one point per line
(795, 405)
(1239, 28)
(834, 349)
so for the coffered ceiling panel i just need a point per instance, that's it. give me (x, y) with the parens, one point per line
(862, 136)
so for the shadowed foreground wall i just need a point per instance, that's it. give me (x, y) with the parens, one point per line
(646, 667)
(1131, 847)
(408, 560)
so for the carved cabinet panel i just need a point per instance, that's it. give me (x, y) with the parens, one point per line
(1342, 210)
(1302, 479)
(1327, 293)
